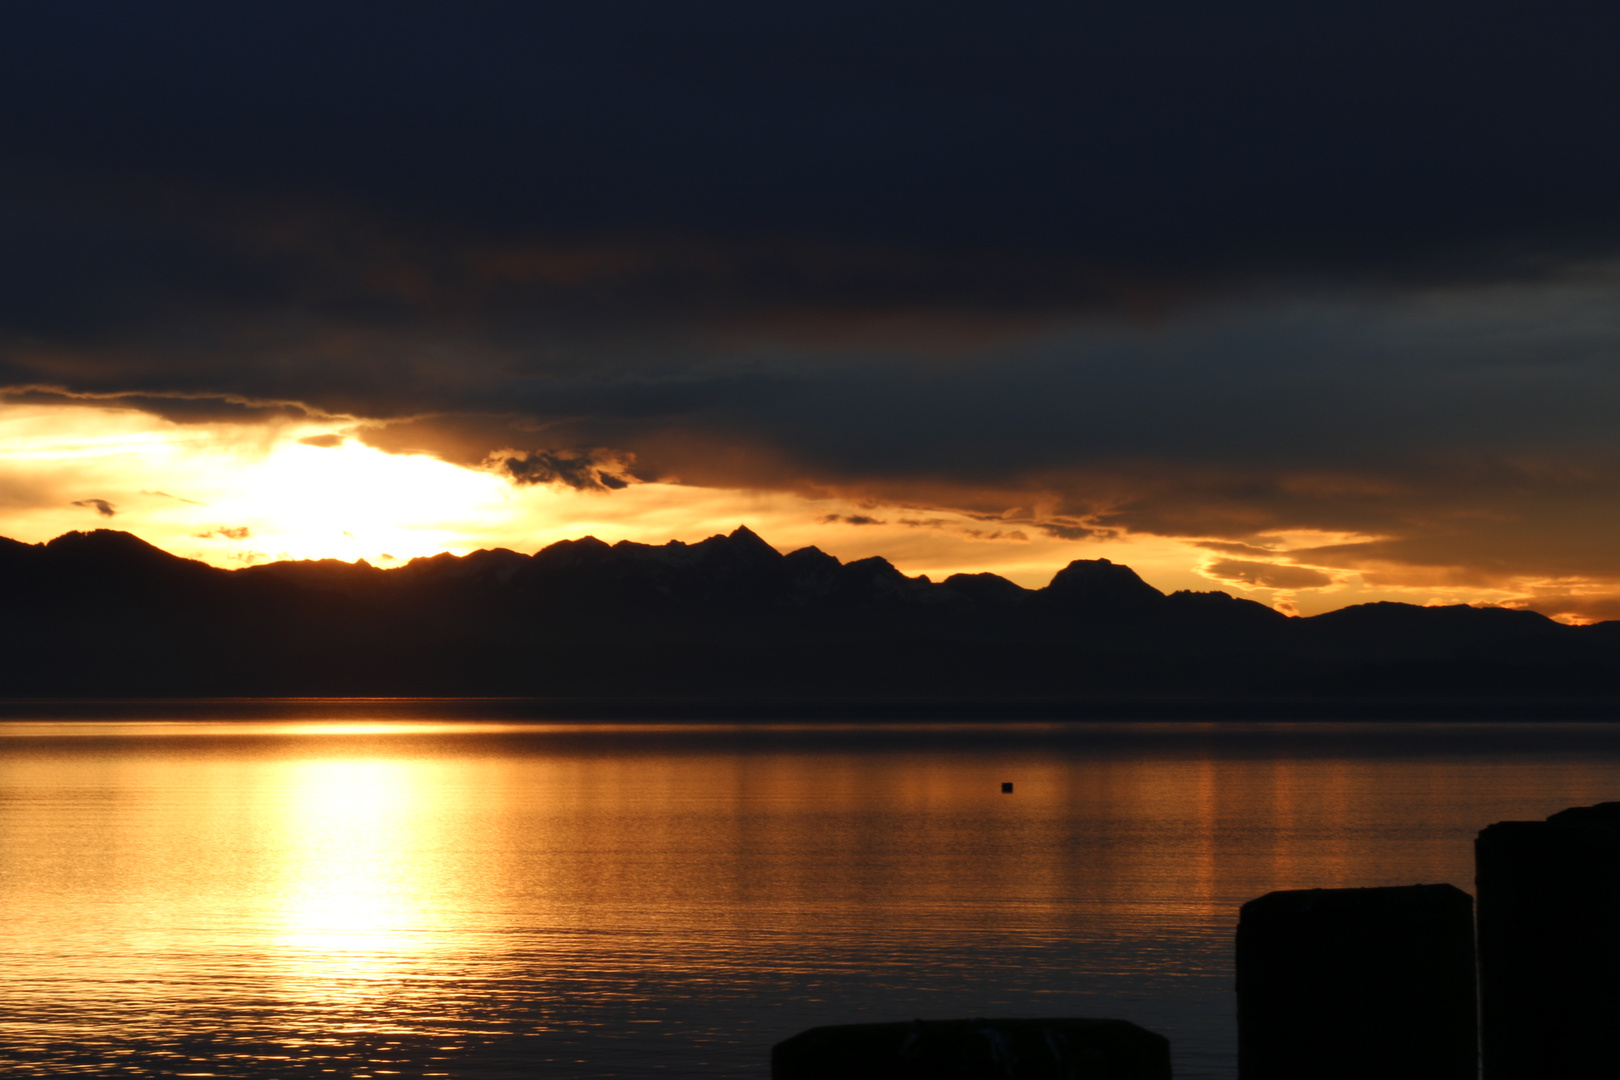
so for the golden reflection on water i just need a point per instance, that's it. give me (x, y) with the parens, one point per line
(283, 898)
(350, 857)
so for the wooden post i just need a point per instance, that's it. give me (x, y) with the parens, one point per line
(1061, 1049)
(1346, 984)
(1549, 945)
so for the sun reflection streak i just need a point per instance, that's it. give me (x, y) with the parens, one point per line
(351, 912)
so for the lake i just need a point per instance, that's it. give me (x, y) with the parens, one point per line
(354, 890)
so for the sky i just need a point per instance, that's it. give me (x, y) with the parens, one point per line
(1313, 304)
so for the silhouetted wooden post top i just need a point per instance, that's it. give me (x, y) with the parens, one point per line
(1549, 945)
(1059, 1049)
(1335, 984)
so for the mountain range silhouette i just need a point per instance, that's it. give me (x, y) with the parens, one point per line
(104, 614)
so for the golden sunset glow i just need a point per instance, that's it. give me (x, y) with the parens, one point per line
(588, 540)
(235, 495)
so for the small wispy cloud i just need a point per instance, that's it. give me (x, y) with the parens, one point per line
(851, 519)
(176, 498)
(100, 506)
(1268, 575)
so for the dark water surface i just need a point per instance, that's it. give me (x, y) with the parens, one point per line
(361, 897)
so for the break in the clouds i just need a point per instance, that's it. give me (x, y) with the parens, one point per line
(1337, 287)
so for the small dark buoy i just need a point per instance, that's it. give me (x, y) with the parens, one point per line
(1006, 787)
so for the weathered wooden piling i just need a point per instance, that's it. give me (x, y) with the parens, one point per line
(1335, 984)
(1549, 945)
(1059, 1049)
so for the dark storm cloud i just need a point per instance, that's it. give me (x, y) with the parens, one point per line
(100, 506)
(1194, 270)
(1151, 134)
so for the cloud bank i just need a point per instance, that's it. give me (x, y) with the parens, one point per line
(1338, 287)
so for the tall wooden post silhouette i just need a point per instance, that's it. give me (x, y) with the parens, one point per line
(1549, 945)
(1347, 984)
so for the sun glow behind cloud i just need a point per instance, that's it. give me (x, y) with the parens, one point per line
(238, 494)
(230, 494)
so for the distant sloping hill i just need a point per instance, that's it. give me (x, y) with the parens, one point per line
(105, 614)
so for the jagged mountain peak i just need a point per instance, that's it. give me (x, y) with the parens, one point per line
(1100, 582)
(104, 551)
(986, 587)
(747, 541)
(741, 547)
(103, 541)
(811, 554)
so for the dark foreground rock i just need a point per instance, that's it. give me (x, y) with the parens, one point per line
(1344, 984)
(1549, 945)
(1061, 1049)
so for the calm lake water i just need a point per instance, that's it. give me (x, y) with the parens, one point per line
(366, 898)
